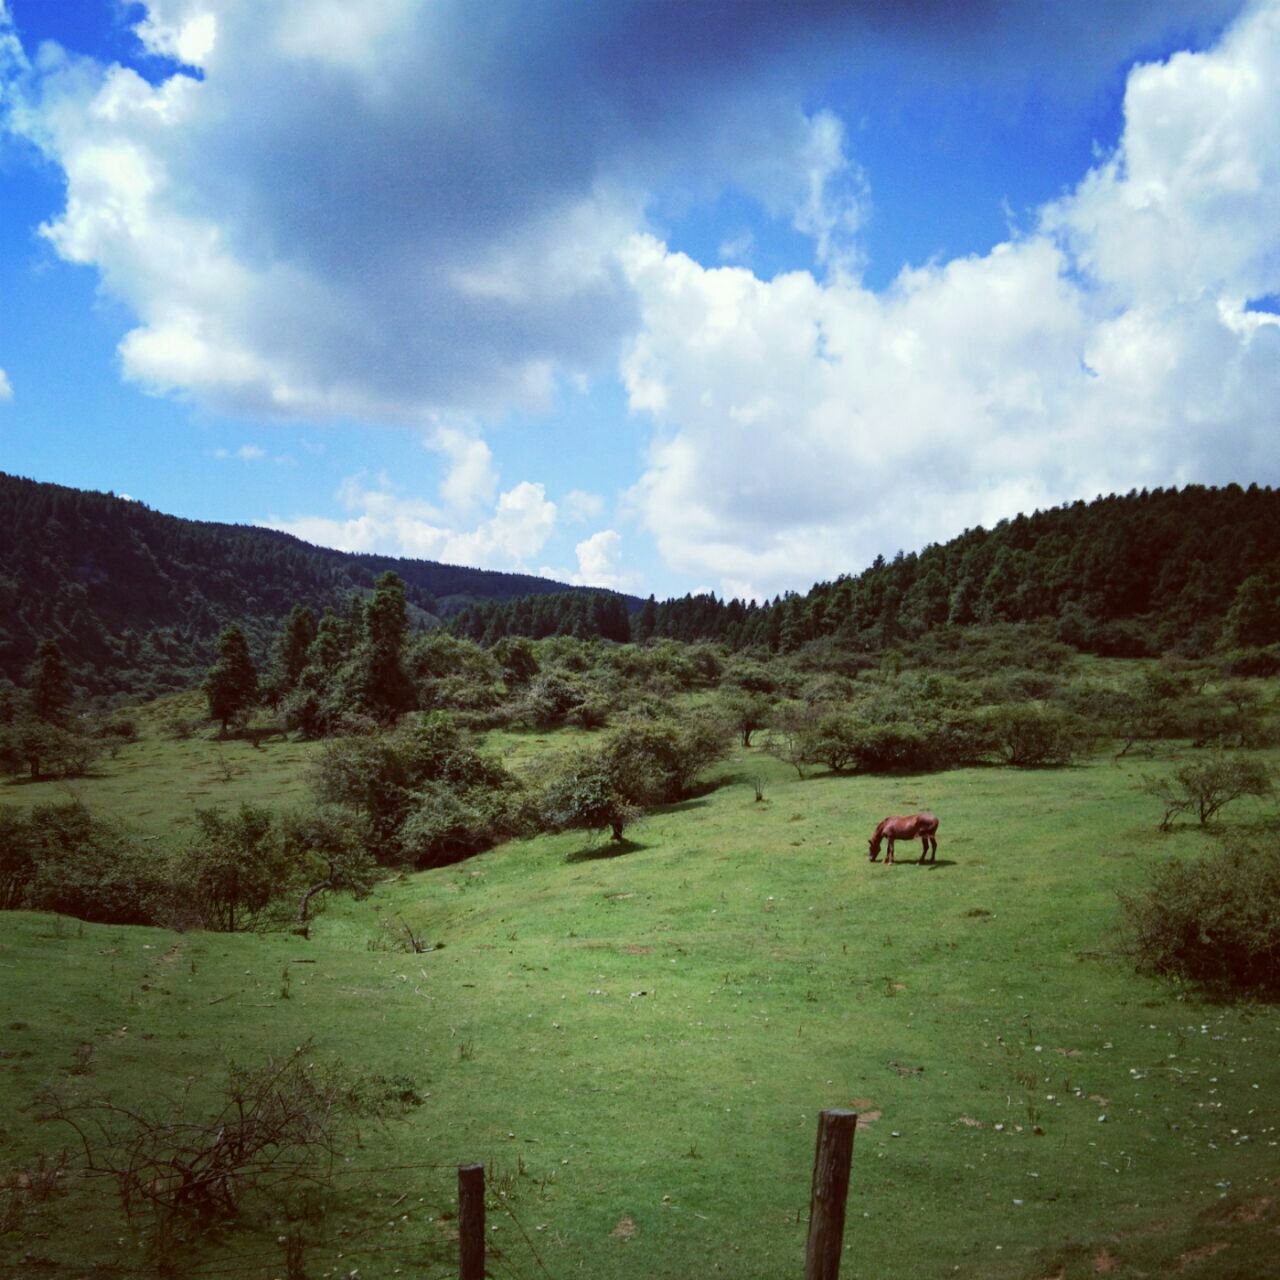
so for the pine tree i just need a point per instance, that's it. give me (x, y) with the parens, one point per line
(232, 683)
(295, 642)
(646, 621)
(50, 683)
(384, 687)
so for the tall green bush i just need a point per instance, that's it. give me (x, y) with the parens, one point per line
(1214, 921)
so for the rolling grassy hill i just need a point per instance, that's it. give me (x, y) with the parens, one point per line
(636, 1040)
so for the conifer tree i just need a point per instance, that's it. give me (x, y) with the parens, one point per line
(295, 643)
(50, 683)
(232, 683)
(384, 687)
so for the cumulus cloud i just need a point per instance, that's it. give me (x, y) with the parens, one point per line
(381, 519)
(388, 209)
(6, 387)
(471, 480)
(599, 564)
(579, 506)
(803, 422)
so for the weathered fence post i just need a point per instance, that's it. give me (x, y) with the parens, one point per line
(830, 1189)
(471, 1222)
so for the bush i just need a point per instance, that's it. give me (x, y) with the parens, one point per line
(386, 778)
(1251, 662)
(327, 846)
(19, 857)
(235, 870)
(658, 761)
(86, 868)
(888, 748)
(1027, 736)
(1214, 921)
(46, 749)
(549, 699)
(835, 740)
(1208, 786)
(584, 797)
(273, 1129)
(448, 823)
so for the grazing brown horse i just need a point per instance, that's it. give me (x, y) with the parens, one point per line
(924, 825)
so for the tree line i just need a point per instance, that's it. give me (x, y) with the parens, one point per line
(1167, 570)
(136, 599)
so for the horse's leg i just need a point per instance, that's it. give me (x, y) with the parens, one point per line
(888, 857)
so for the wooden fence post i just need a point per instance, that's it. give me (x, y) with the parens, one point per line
(471, 1222)
(830, 1190)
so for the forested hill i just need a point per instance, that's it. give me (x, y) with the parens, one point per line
(136, 598)
(1145, 573)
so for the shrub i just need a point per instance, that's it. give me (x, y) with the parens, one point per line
(657, 761)
(834, 740)
(584, 796)
(387, 777)
(1214, 921)
(1027, 736)
(19, 855)
(1251, 662)
(548, 700)
(90, 869)
(447, 823)
(886, 748)
(234, 870)
(274, 1128)
(744, 711)
(46, 749)
(1207, 786)
(327, 846)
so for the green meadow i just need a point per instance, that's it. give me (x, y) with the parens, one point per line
(636, 1039)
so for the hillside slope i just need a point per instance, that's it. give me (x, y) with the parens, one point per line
(136, 598)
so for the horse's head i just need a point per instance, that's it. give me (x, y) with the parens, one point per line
(873, 847)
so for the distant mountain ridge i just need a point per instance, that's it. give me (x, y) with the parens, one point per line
(1165, 570)
(136, 598)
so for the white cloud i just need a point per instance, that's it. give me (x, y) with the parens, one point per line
(600, 564)
(382, 520)
(390, 209)
(580, 506)
(245, 453)
(471, 480)
(803, 423)
(6, 387)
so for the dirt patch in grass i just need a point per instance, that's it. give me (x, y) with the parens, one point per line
(1253, 1210)
(1192, 1256)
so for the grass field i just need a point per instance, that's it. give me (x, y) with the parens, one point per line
(637, 1039)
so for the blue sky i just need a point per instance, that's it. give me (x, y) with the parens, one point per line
(654, 296)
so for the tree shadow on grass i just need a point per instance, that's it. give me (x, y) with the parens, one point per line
(603, 852)
(679, 806)
(45, 779)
